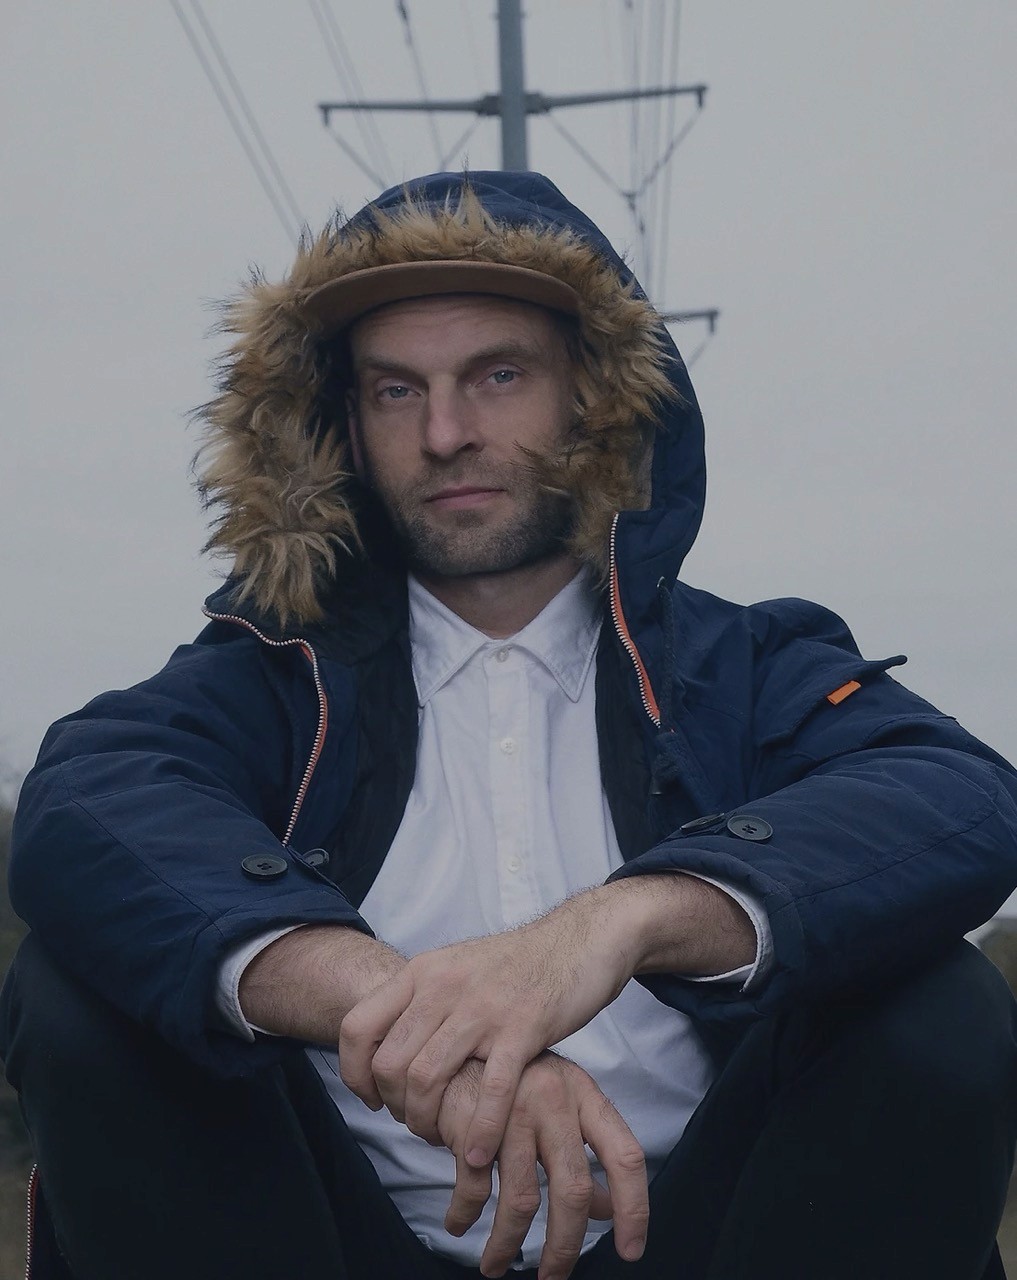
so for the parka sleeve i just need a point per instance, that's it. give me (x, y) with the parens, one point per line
(882, 833)
(132, 831)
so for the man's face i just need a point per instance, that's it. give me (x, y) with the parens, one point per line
(449, 390)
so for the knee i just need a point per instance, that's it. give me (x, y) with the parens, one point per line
(947, 1036)
(53, 1026)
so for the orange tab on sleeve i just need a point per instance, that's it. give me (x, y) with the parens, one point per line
(845, 691)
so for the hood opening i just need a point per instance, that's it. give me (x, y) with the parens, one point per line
(275, 464)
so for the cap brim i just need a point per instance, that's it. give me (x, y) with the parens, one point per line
(337, 304)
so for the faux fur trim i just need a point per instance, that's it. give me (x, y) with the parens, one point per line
(275, 458)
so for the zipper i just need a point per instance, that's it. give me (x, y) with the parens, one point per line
(33, 1182)
(319, 736)
(621, 627)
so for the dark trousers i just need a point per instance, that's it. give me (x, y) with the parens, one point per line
(867, 1140)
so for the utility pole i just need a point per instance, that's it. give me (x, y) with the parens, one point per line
(514, 104)
(513, 85)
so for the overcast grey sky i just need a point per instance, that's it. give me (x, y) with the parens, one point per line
(846, 198)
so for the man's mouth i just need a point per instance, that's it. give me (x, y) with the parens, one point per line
(461, 497)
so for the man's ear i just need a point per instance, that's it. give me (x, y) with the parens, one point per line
(353, 429)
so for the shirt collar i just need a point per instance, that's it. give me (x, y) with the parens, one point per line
(562, 637)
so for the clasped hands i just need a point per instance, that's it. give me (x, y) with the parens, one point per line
(455, 1042)
(456, 1045)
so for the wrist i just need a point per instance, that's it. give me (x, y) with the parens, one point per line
(607, 925)
(678, 923)
(305, 983)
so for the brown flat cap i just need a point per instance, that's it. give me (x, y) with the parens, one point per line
(337, 304)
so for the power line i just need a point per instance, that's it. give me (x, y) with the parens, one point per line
(647, 198)
(664, 206)
(238, 93)
(345, 69)
(657, 39)
(231, 116)
(591, 160)
(664, 42)
(341, 142)
(635, 133)
(651, 134)
(421, 81)
(634, 78)
(676, 141)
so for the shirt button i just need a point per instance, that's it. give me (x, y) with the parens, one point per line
(513, 864)
(508, 745)
(502, 655)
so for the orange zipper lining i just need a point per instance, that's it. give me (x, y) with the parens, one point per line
(621, 626)
(33, 1183)
(319, 736)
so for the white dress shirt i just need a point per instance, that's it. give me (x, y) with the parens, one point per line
(507, 817)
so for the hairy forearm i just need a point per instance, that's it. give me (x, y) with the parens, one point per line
(673, 923)
(305, 983)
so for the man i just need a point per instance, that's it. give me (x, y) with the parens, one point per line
(468, 837)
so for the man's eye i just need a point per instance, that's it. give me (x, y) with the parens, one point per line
(502, 377)
(395, 392)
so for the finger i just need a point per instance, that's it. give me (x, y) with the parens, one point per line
(471, 1192)
(428, 1075)
(623, 1162)
(497, 1093)
(397, 1066)
(362, 1031)
(569, 1197)
(518, 1200)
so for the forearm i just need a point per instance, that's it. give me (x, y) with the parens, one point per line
(305, 983)
(675, 923)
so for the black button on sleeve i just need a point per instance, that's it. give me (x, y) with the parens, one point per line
(700, 824)
(264, 866)
(747, 827)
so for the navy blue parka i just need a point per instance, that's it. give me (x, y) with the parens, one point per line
(257, 780)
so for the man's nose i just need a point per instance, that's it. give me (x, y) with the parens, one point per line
(450, 424)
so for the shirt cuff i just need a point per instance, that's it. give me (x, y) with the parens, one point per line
(749, 975)
(229, 1014)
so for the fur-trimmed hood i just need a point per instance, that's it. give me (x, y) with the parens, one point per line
(275, 461)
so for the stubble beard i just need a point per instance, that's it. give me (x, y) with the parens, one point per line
(463, 543)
